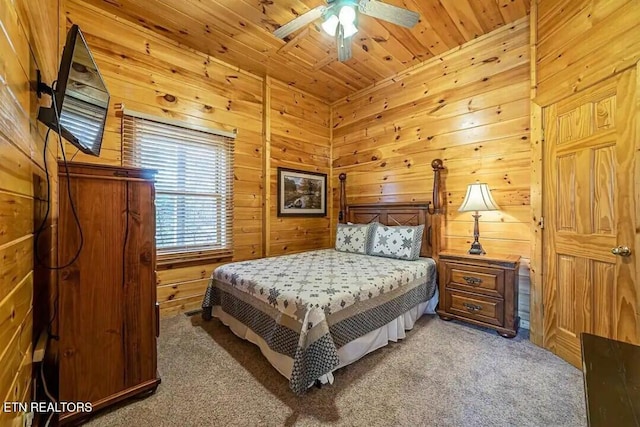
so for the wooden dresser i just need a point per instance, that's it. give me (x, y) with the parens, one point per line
(480, 289)
(107, 312)
(611, 371)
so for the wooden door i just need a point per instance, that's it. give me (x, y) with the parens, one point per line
(589, 209)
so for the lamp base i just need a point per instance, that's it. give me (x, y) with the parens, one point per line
(476, 249)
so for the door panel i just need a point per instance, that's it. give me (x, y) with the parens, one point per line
(604, 173)
(590, 205)
(566, 171)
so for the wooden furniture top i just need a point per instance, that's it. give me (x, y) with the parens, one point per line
(611, 371)
(77, 168)
(490, 258)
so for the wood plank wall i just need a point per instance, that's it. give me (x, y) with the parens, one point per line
(300, 139)
(581, 42)
(149, 73)
(28, 41)
(469, 107)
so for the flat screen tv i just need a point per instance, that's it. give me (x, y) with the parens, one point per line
(79, 97)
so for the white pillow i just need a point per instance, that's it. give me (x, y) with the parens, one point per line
(400, 242)
(354, 238)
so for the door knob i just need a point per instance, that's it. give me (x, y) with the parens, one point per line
(621, 251)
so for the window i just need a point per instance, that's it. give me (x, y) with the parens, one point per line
(194, 185)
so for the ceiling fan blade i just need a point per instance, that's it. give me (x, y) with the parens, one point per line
(343, 45)
(299, 22)
(395, 15)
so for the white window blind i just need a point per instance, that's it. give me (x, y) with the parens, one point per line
(194, 186)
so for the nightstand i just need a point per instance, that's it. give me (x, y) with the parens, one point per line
(480, 289)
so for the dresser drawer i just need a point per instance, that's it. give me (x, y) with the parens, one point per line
(475, 306)
(487, 281)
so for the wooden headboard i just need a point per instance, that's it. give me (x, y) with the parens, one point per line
(413, 213)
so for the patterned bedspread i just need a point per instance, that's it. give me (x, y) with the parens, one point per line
(308, 305)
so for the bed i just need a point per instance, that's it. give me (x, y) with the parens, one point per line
(314, 312)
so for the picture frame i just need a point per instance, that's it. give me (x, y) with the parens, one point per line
(301, 193)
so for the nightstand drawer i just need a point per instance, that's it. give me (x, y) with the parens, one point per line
(488, 281)
(474, 306)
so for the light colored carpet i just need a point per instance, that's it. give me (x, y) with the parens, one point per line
(442, 374)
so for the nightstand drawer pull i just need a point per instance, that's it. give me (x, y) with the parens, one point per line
(473, 281)
(472, 307)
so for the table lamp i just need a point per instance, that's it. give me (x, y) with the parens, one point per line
(478, 198)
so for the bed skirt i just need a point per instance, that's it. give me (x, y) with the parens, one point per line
(348, 353)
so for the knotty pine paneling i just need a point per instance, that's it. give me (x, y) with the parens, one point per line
(149, 73)
(300, 139)
(581, 42)
(28, 41)
(469, 107)
(240, 33)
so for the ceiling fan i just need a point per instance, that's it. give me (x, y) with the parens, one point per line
(339, 20)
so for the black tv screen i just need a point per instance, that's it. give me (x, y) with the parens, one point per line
(80, 95)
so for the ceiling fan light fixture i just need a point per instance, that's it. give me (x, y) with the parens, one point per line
(339, 18)
(349, 30)
(330, 25)
(347, 15)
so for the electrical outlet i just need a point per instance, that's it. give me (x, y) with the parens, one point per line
(27, 419)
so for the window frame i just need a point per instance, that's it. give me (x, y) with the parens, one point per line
(191, 254)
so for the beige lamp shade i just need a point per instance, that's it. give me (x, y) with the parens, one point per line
(478, 198)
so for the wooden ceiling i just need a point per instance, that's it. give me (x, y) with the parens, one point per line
(239, 32)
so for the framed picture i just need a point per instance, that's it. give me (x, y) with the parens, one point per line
(301, 193)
